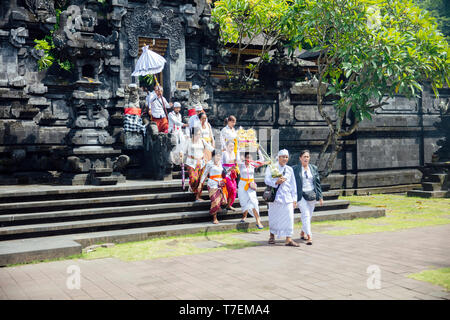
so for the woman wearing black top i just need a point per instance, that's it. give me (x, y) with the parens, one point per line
(309, 191)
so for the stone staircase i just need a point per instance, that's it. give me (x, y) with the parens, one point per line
(435, 181)
(43, 222)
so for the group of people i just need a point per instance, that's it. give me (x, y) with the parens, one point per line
(223, 164)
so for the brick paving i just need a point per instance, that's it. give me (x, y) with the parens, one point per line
(334, 267)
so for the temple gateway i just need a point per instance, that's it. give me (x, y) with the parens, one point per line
(63, 123)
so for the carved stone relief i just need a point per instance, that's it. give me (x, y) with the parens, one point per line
(152, 22)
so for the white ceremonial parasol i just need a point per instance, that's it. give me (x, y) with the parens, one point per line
(148, 63)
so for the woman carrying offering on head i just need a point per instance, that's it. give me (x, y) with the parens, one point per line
(216, 185)
(195, 162)
(309, 191)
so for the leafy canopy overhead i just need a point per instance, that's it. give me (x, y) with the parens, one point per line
(369, 51)
(370, 48)
(240, 19)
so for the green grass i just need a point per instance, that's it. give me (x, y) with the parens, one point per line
(440, 277)
(402, 212)
(163, 248)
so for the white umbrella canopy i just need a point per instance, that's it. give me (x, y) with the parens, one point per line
(148, 63)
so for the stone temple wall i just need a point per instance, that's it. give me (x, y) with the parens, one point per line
(66, 127)
(387, 151)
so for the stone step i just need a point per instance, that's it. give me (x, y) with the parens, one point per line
(57, 192)
(101, 171)
(429, 194)
(38, 192)
(104, 181)
(73, 216)
(436, 177)
(431, 186)
(27, 250)
(84, 203)
(109, 223)
(21, 193)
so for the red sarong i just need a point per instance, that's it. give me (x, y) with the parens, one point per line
(163, 124)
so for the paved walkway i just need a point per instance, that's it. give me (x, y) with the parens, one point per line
(335, 267)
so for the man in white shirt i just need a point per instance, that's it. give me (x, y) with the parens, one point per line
(157, 108)
(175, 127)
(194, 121)
(175, 119)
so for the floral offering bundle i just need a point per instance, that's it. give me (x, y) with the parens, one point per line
(247, 139)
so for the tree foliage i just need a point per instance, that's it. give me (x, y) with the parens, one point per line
(243, 21)
(370, 50)
(440, 9)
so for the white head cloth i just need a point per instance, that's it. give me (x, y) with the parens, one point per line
(283, 152)
(198, 107)
(177, 105)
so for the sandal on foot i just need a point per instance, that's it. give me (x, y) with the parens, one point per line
(309, 242)
(292, 244)
(271, 240)
(260, 227)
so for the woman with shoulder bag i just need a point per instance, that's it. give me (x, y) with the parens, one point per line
(309, 191)
(281, 210)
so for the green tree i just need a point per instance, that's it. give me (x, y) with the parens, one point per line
(370, 51)
(440, 9)
(243, 21)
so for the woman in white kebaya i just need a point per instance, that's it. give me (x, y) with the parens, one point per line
(216, 185)
(281, 211)
(228, 133)
(247, 187)
(207, 134)
(195, 162)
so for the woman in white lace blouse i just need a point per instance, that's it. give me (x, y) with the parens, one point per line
(247, 186)
(195, 162)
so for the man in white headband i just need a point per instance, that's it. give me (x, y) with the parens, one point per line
(175, 127)
(175, 120)
(281, 211)
(194, 121)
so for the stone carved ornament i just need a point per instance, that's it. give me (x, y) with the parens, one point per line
(131, 96)
(42, 9)
(198, 96)
(17, 36)
(153, 22)
(76, 21)
(193, 14)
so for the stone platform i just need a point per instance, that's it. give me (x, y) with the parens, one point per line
(43, 221)
(435, 181)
